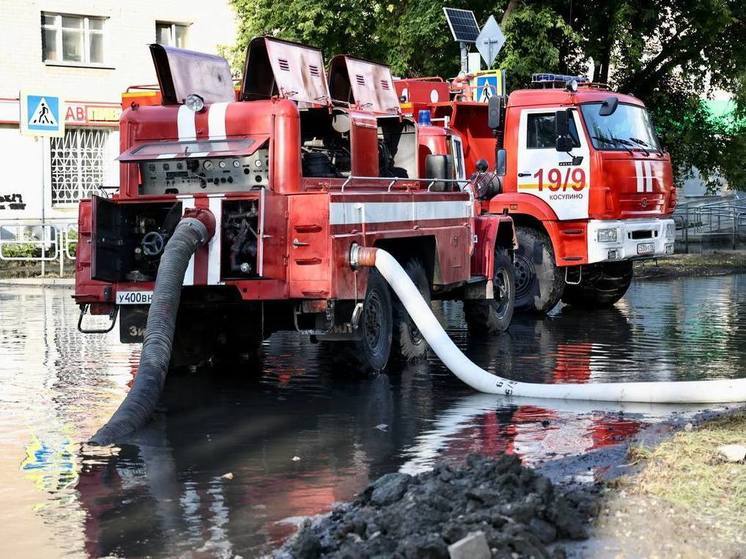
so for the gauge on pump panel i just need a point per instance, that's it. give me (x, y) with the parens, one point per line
(236, 163)
(258, 163)
(207, 165)
(221, 163)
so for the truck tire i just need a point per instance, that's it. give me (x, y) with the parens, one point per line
(408, 345)
(601, 285)
(539, 283)
(493, 316)
(370, 353)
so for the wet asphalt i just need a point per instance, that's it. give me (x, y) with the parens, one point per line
(296, 434)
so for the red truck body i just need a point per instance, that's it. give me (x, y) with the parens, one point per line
(296, 170)
(595, 207)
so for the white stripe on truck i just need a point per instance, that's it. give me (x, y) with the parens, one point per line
(349, 213)
(186, 124)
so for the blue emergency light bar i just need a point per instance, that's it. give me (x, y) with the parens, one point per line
(556, 79)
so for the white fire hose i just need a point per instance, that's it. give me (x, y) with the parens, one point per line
(692, 392)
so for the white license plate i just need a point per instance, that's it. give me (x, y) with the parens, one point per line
(645, 248)
(134, 297)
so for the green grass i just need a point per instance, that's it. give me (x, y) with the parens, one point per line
(686, 471)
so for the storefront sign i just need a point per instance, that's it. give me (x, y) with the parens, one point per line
(89, 114)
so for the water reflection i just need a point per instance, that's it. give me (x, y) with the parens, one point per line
(300, 433)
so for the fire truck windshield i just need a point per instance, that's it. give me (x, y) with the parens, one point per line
(627, 128)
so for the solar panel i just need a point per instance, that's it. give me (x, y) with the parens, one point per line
(463, 25)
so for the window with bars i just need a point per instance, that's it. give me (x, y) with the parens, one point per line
(72, 39)
(171, 34)
(81, 162)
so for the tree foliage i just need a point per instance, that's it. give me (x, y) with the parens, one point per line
(669, 53)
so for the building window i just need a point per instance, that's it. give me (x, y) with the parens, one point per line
(171, 34)
(72, 39)
(82, 162)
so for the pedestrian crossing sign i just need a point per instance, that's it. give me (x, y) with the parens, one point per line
(488, 83)
(42, 115)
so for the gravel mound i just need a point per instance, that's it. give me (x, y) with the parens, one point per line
(401, 516)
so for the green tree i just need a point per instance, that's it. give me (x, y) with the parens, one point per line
(669, 53)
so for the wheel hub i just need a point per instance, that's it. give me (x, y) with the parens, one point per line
(525, 276)
(373, 322)
(501, 294)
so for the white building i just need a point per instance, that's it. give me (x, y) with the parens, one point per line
(87, 52)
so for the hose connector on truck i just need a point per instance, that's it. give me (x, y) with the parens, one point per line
(582, 174)
(297, 165)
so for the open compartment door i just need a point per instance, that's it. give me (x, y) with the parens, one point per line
(284, 69)
(184, 72)
(365, 85)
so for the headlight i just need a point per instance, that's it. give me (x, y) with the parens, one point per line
(607, 235)
(194, 102)
(670, 230)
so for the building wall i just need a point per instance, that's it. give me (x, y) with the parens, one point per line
(130, 27)
(29, 165)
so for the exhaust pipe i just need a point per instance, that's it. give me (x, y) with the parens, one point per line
(194, 230)
(678, 392)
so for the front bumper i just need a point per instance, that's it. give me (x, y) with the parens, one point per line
(634, 238)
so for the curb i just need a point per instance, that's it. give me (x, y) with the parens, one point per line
(66, 283)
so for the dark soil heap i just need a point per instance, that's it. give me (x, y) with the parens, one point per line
(519, 511)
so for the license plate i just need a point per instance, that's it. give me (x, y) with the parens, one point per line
(645, 248)
(134, 297)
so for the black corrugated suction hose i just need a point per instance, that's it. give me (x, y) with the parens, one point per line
(139, 404)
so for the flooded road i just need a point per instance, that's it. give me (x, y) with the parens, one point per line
(297, 435)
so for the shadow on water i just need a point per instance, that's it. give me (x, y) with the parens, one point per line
(298, 433)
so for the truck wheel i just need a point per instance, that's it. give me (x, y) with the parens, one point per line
(538, 281)
(408, 343)
(601, 285)
(493, 316)
(373, 348)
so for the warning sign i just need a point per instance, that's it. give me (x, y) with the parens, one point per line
(488, 83)
(41, 115)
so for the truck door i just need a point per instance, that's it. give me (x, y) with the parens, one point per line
(561, 179)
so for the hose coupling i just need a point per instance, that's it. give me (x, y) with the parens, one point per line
(362, 257)
(203, 217)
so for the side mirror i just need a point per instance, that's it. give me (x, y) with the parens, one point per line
(501, 164)
(609, 106)
(563, 140)
(494, 112)
(439, 167)
(561, 124)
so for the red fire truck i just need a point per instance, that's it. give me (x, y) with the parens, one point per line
(580, 171)
(295, 169)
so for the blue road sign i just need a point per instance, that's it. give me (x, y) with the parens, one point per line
(41, 115)
(488, 84)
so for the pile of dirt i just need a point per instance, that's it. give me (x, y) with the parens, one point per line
(519, 511)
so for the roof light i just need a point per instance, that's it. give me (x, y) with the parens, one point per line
(194, 102)
(557, 80)
(423, 118)
(572, 85)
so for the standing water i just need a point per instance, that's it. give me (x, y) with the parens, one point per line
(296, 435)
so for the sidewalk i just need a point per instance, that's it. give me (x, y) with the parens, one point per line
(67, 283)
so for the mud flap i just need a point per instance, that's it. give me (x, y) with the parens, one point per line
(132, 320)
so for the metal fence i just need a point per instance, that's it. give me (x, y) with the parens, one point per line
(50, 244)
(720, 222)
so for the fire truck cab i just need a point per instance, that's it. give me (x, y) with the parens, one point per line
(296, 169)
(582, 174)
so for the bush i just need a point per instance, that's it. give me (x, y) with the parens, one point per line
(20, 250)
